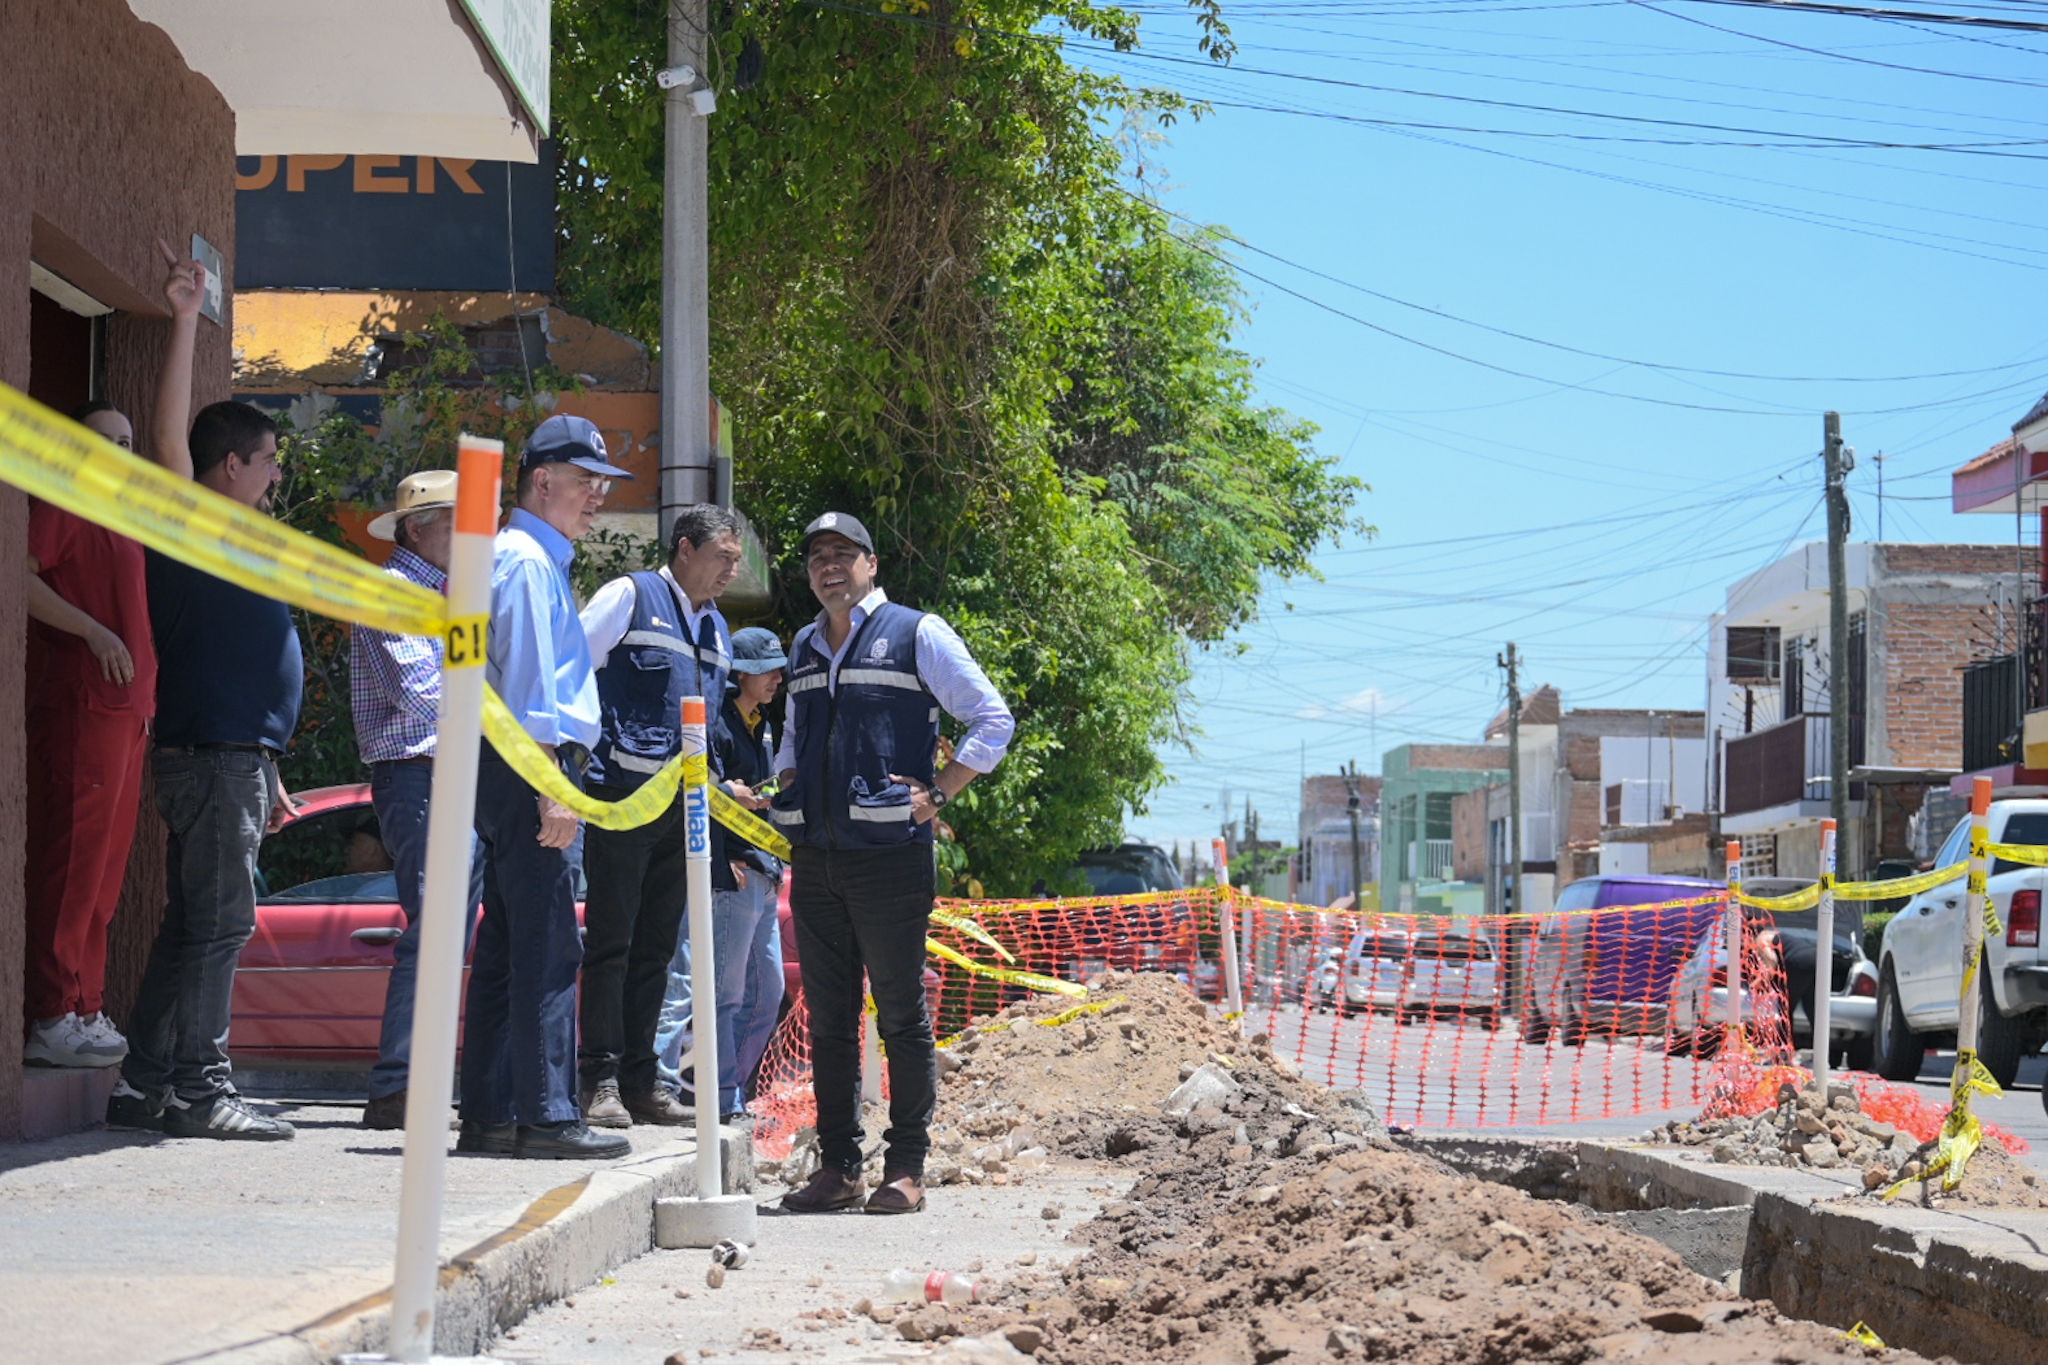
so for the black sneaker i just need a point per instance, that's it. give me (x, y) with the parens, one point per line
(226, 1116)
(568, 1141)
(129, 1110)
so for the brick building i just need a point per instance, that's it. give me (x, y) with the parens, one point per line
(121, 126)
(1323, 864)
(1918, 615)
(1421, 784)
(1603, 790)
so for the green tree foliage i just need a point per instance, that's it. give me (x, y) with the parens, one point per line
(935, 305)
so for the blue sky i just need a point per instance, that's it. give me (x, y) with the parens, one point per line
(1527, 501)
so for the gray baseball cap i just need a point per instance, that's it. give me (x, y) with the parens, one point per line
(837, 523)
(563, 439)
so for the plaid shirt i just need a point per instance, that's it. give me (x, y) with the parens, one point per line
(394, 682)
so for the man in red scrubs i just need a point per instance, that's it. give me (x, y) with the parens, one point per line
(91, 693)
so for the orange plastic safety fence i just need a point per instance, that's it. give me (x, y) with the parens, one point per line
(1462, 1021)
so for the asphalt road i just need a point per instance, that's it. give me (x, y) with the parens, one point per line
(1457, 1075)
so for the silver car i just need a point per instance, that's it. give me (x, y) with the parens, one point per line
(1375, 970)
(1451, 973)
(1699, 998)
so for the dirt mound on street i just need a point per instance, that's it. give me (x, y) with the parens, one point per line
(1270, 1220)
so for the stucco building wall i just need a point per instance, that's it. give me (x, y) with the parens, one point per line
(108, 141)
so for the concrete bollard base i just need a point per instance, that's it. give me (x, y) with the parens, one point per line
(704, 1222)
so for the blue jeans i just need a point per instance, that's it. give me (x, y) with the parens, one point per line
(519, 1034)
(214, 803)
(747, 952)
(399, 793)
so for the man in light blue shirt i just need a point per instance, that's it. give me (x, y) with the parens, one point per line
(519, 1035)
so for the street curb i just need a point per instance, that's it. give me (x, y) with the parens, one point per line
(566, 1239)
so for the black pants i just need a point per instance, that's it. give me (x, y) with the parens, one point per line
(867, 911)
(632, 918)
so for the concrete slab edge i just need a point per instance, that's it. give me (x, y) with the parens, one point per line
(1967, 1283)
(568, 1238)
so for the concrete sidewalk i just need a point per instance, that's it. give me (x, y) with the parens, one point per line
(133, 1249)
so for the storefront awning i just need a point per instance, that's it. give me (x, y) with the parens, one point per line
(456, 78)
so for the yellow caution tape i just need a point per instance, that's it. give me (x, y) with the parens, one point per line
(67, 466)
(527, 759)
(1031, 981)
(2031, 855)
(1798, 900)
(1899, 886)
(962, 925)
(1863, 1336)
(1871, 891)
(1961, 1133)
(748, 825)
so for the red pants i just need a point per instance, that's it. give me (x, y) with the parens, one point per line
(84, 778)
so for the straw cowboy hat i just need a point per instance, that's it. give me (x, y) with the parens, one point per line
(421, 492)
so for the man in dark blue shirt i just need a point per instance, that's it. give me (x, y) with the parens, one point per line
(228, 685)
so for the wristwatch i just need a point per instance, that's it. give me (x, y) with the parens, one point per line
(938, 795)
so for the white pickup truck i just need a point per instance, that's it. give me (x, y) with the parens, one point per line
(1920, 968)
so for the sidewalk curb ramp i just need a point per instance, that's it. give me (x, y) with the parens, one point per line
(566, 1239)
(1970, 1283)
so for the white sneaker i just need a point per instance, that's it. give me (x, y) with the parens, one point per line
(63, 1041)
(102, 1038)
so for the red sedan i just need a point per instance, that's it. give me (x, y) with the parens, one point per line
(309, 986)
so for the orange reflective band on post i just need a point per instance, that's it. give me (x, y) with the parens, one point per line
(1980, 796)
(479, 470)
(693, 710)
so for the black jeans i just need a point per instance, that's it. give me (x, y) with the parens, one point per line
(215, 803)
(632, 919)
(519, 1029)
(867, 910)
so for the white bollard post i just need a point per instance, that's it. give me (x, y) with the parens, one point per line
(1823, 963)
(1968, 1018)
(713, 1216)
(451, 817)
(1734, 939)
(1233, 981)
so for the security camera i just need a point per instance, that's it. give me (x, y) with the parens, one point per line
(703, 102)
(674, 76)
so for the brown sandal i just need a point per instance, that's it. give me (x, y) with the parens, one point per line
(904, 1194)
(828, 1192)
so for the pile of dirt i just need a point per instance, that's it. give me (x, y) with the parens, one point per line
(1270, 1220)
(1831, 1132)
(1050, 1076)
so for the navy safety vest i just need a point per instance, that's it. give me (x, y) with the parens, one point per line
(882, 719)
(641, 687)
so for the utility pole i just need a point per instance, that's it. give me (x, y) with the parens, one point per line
(1512, 662)
(686, 443)
(1357, 853)
(1840, 460)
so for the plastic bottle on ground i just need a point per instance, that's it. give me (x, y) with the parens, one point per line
(948, 1287)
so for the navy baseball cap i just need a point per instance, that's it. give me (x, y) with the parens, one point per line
(563, 439)
(757, 650)
(837, 523)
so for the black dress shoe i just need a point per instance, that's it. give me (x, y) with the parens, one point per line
(570, 1140)
(385, 1112)
(487, 1139)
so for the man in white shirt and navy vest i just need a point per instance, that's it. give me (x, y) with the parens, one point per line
(860, 786)
(658, 637)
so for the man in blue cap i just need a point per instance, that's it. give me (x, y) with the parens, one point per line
(519, 1036)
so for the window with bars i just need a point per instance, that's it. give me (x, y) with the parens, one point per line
(1753, 653)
